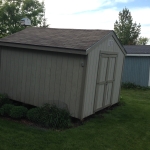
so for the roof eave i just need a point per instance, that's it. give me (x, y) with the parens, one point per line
(44, 48)
(143, 55)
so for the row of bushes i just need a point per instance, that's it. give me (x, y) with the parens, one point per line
(16, 112)
(129, 85)
(47, 115)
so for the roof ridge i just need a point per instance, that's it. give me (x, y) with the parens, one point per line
(71, 29)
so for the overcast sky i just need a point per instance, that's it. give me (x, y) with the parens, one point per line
(96, 14)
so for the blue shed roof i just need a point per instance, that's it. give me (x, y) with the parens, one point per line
(137, 49)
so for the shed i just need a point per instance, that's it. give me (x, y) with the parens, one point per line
(81, 68)
(137, 65)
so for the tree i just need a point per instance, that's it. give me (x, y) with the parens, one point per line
(142, 41)
(44, 20)
(125, 29)
(12, 11)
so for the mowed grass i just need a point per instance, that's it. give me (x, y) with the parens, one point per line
(125, 127)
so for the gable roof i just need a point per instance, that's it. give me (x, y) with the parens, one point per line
(137, 49)
(58, 38)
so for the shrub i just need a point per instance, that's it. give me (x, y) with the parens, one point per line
(34, 114)
(54, 117)
(5, 109)
(4, 99)
(50, 116)
(18, 112)
(130, 85)
(1, 111)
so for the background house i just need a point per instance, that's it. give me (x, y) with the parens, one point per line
(137, 65)
(79, 68)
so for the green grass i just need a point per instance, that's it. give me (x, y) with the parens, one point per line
(126, 127)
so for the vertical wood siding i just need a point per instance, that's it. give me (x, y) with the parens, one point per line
(136, 70)
(35, 77)
(0, 59)
(91, 74)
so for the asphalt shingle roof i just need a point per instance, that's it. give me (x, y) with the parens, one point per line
(61, 38)
(137, 49)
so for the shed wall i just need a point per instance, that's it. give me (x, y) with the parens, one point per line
(36, 77)
(136, 70)
(91, 73)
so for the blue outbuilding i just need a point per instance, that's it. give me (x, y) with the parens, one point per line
(137, 65)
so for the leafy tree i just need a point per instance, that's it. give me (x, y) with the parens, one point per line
(12, 11)
(44, 20)
(125, 29)
(142, 41)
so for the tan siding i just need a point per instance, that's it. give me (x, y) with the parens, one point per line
(57, 77)
(41, 77)
(47, 78)
(0, 58)
(91, 74)
(42, 64)
(1, 72)
(24, 75)
(69, 82)
(53, 76)
(12, 75)
(29, 81)
(31, 94)
(36, 79)
(92, 66)
(19, 76)
(74, 101)
(16, 75)
(63, 79)
(3, 67)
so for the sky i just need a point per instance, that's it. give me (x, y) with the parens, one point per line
(96, 14)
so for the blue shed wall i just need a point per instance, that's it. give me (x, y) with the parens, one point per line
(136, 70)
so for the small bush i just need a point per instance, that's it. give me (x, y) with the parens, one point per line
(1, 111)
(129, 85)
(5, 109)
(50, 116)
(54, 117)
(34, 114)
(4, 99)
(18, 112)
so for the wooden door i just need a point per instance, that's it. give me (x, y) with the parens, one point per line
(105, 80)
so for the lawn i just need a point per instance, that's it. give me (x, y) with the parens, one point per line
(125, 127)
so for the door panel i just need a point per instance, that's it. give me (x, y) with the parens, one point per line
(105, 79)
(103, 69)
(111, 69)
(108, 94)
(100, 96)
